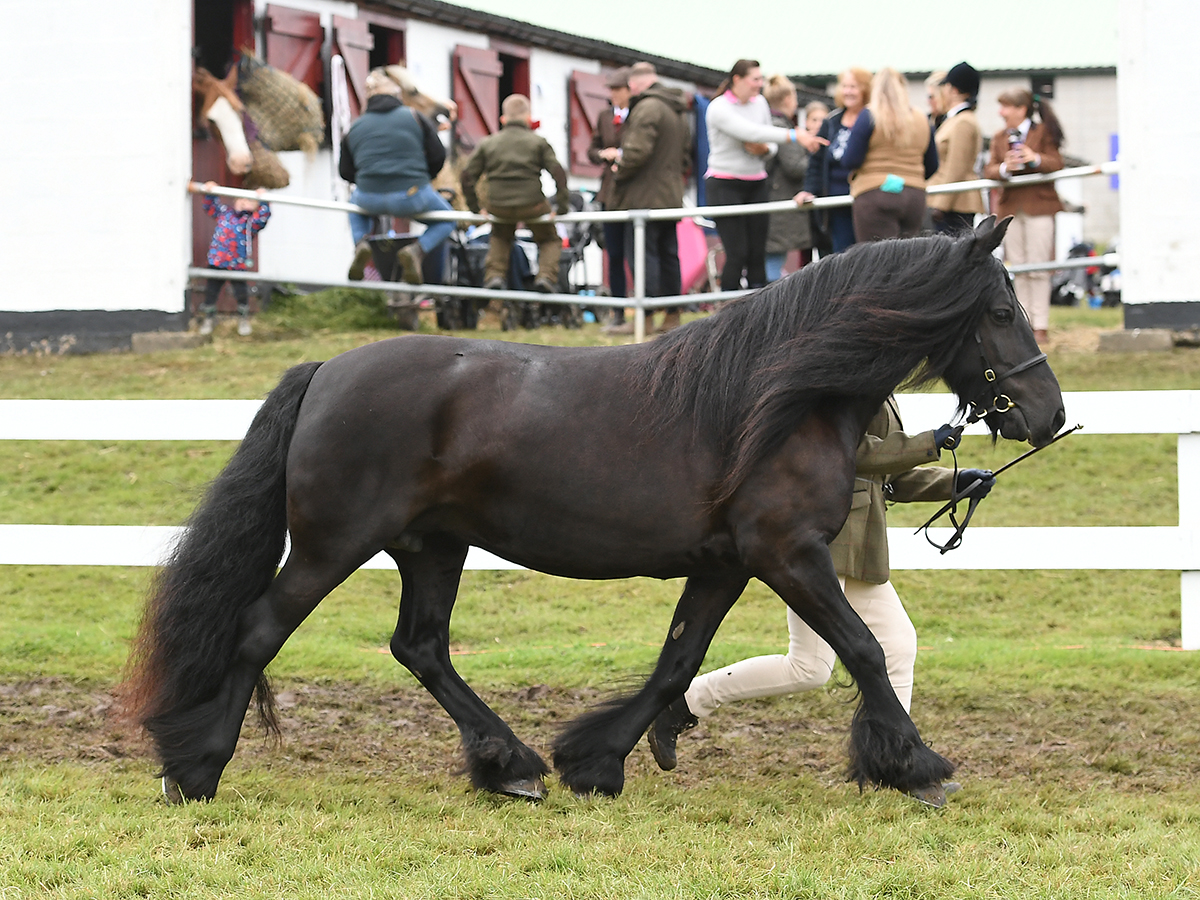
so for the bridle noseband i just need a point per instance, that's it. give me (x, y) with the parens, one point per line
(1000, 403)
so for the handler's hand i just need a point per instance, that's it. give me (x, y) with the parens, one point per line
(946, 437)
(804, 197)
(756, 148)
(967, 477)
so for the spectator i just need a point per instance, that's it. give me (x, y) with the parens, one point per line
(231, 250)
(390, 154)
(1025, 147)
(892, 151)
(741, 138)
(827, 175)
(889, 466)
(603, 152)
(652, 163)
(958, 144)
(513, 160)
(937, 101)
(787, 231)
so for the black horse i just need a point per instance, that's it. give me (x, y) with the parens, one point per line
(721, 452)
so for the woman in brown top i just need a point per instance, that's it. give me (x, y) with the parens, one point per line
(892, 150)
(1023, 147)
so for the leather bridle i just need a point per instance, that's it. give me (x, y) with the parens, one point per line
(1000, 403)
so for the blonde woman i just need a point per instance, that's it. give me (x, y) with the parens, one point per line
(892, 152)
(958, 144)
(828, 173)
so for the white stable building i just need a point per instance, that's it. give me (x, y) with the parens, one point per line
(97, 154)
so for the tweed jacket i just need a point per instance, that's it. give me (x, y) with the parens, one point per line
(654, 151)
(513, 159)
(1032, 199)
(958, 144)
(886, 456)
(607, 134)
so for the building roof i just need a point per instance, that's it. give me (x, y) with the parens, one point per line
(805, 38)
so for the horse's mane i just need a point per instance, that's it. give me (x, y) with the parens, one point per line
(854, 325)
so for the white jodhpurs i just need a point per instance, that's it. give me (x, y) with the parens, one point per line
(809, 660)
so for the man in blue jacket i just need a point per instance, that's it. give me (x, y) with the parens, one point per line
(390, 154)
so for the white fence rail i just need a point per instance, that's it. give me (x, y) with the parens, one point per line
(1129, 412)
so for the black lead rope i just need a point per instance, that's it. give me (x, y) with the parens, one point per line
(956, 496)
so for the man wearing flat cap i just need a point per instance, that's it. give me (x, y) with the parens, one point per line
(958, 142)
(606, 138)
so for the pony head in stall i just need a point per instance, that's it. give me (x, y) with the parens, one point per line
(222, 109)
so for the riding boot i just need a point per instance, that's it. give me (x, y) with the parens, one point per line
(671, 722)
(409, 259)
(362, 256)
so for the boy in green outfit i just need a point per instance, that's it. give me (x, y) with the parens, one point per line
(513, 160)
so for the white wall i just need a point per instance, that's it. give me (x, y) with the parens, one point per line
(430, 48)
(95, 152)
(1160, 151)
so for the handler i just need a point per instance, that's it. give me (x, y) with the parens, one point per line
(886, 469)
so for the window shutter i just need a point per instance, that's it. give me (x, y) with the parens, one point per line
(293, 40)
(353, 40)
(588, 96)
(477, 93)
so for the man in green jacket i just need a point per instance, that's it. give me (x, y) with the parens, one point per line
(888, 467)
(650, 172)
(513, 160)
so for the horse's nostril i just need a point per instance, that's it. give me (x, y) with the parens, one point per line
(1060, 419)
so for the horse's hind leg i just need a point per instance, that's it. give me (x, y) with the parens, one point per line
(590, 754)
(196, 744)
(885, 746)
(496, 760)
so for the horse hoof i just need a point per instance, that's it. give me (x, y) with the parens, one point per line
(530, 789)
(933, 794)
(171, 791)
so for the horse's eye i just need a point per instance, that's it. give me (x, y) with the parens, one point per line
(1003, 315)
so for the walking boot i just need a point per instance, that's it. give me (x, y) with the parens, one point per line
(671, 722)
(495, 283)
(362, 256)
(410, 259)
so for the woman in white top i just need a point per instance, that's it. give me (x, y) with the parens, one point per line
(741, 138)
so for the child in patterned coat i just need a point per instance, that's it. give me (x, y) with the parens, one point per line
(230, 250)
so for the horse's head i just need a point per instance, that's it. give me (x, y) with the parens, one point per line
(221, 106)
(1000, 370)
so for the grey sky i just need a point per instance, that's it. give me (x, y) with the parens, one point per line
(910, 35)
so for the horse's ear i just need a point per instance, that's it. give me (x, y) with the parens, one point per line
(989, 234)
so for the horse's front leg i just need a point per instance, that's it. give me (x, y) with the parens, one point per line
(885, 746)
(590, 754)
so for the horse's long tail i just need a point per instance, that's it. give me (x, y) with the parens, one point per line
(224, 561)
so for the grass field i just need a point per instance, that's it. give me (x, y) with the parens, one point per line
(1058, 693)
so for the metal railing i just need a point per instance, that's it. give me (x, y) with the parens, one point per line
(639, 219)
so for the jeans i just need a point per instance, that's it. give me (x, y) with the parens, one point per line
(744, 238)
(404, 205)
(775, 263)
(841, 228)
